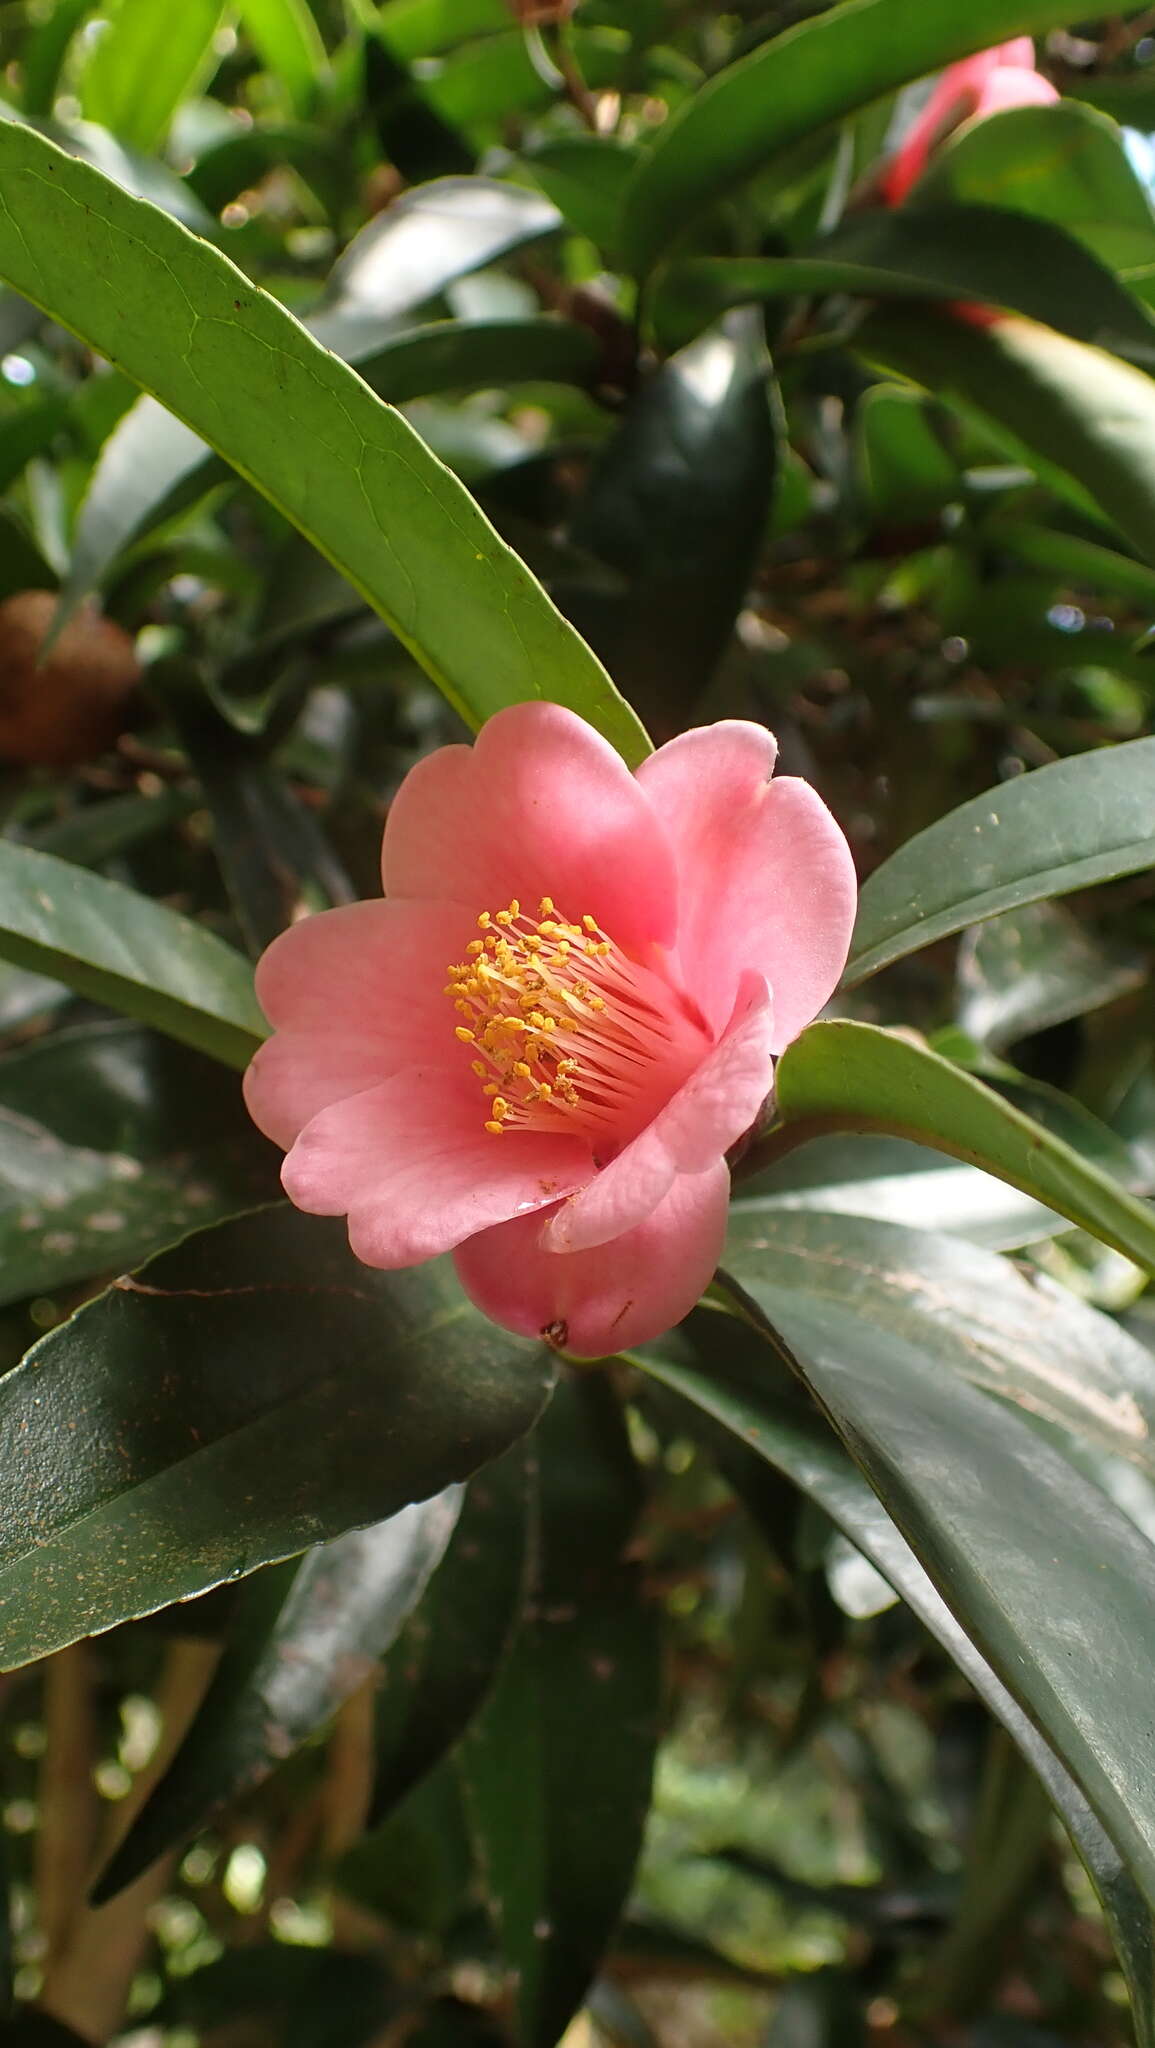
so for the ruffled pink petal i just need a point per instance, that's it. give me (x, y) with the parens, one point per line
(956, 97)
(355, 994)
(766, 877)
(1005, 89)
(613, 1297)
(540, 805)
(708, 1114)
(412, 1166)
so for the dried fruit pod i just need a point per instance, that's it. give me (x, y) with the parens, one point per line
(73, 706)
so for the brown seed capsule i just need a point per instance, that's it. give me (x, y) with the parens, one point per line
(73, 706)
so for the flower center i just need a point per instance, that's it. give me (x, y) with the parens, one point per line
(568, 1033)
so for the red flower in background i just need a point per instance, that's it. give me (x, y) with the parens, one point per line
(989, 83)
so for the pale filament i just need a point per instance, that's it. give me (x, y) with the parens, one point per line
(566, 1032)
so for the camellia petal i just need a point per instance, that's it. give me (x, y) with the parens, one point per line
(614, 1296)
(765, 875)
(990, 82)
(354, 994)
(540, 805)
(412, 1166)
(707, 1115)
(539, 1049)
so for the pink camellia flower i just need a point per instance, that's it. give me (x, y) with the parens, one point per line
(537, 1050)
(979, 86)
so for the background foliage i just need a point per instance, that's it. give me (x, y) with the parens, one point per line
(364, 368)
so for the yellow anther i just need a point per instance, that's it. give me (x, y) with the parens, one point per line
(466, 1037)
(590, 923)
(514, 907)
(480, 1069)
(546, 906)
(500, 1106)
(484, 920)
(474, 946)
(523, 1070)
(495, 1129)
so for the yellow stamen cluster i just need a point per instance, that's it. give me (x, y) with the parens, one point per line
(551, 1009)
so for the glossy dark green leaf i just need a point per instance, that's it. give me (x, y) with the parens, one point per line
(152, 463)
(1018, 1335)
(905, 470)
(1035, 967)
(1065, 163)
(447, 1657)
(800, 81)
(854, 1077)
(122, 949)
(147, 60)
(747, 1393)
(275, 859)
(1085, 563)
(1065, 827)
(254, 1391)
(26, 432)
(1052, 1582)
(586, 177)
(678, 502)
(423, 28)
(286, 35)
(575, 1705)
(1086, 413)
(184, 322)
(294, 1656)
(115, 1143)
(437, 232)
(93, 833)
(897, 1181)
(982, 253)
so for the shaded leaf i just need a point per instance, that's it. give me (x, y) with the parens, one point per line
(1015, 1334)
(732, 1385)
(119, 948)
(800, 81)
(1035, 967)
(926, 252)
(844, 1076)
(114, 1144)
(286, 35)
(1064, 827)
(575, 1704)
(183, 321)
(428, 237)
(296, 1654)
(254, 1392)
(1080, 409)
(447, 1657)
(678, 502)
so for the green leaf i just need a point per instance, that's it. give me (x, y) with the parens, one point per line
(1061, 828)
(1020, 1336)
(152, 464)
(184, 322)
(422, 28)
(255, 1391)
(678, 502)
(146, 60)
(288, 41)
(854, 1077)
(119, 948)
(1065, 163)
(1051, 1581)
(1072, 559)
(905, 470)
(575, 1705)
(732, 1385)
(898, 1182)
(1035, 967)
(43, 54)
(1043, 394)
(446, 1660)
(800, 81)
(972, 253)
(430, 236)
(295, 1654)
(586, 177)
(116, 1143)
